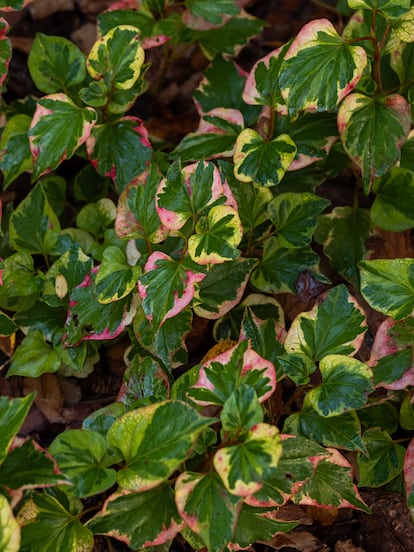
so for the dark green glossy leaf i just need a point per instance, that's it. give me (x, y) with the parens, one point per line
(154, 440)
(342, 431)
(296, 366)
(388, 286)
(262, 162)
(390, 8)
(212, 12)
(383, 460)
(58, 128)
(393, 207)
(319, 68)
(294, 217)
(139, 519)
(143, 379)
(48, 320)
(346, 384)
(334, 326)
(207, 508)
(362, 122)
(20, 287)
(55, 63)
(265, 336)
(280, 267)
(343, 233)
(241, 410)
(120, 149)
(392, 367)
(15, 155)
(384, 415)
(7, 326)
(406, 417)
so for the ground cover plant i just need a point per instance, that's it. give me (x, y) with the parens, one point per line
(221, 227)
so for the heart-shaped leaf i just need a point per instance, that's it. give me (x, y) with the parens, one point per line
(34, 357)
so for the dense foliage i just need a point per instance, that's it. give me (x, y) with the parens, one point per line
(216, 228)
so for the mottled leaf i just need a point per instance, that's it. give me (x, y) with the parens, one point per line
(241, 410)
(390, 8)
(58, 128)
(154, 440)
(334, 326)
(388, 286)
(115, 278)
(9, 528)
(212, 12)
(409, 475)
(13, 413)
(404, 26)
(319, 69)
(262, 162)
(363, 121)
(15, 154)
(5, 50)
(383, 460)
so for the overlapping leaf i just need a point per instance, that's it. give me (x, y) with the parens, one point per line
(335, 326)
(58, 128)
(154, 440)
(9, 528)
(167, 286)
(115, 278)
(362, 120)
(388, 286)
(262, 162)
(207, 508)
(243, 467)
(34, 357)
(409, 474)
(20, 287)
(266, 336)
(5, 50)
(120, 149)
(393, 9)
(224, 373)
(141, 519)
(15, 155)
(346, 383)
(13, 413)
(319, 69)
(393, 207)
(241, 411)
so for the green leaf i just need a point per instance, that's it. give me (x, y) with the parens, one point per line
(388, 286)
(141, 19)
(5, 50)
(294, 467)
(119, 149)
(331, 485)
(265, 336)
(12, 413)
(216, 236)
(136, 215)
(393, 9)
(154, 440)
(166, 287)
(48, 320)
(319, 68)
(221, 375)
(143, 379)
(34, 357)
(207, 508)
(342, 431)
(346, 384)
(294, 217)
(393, 207)
(409, 475)
(255, 525)
(20, 287)
(404, 26)
(117, 58)
(212, 12)
(392, 367)
(47, 526)
(83, 457)
(262, 84)
(222, 86)
(27, 466)
(116, 278)
(383, 460)
(280, 267)
(7, 326)
(295, 366)
(406, 417)
(89, 319)
(9, 528)
(343, 233)
(166, 342)
(95, 218)
(363, 121)
(58, 128)
(244, 466)
(223, 288)
(334, 326)
(241, 410)
(15, 154)
(229, 37)
(55, 63)
(64, 275)
(32, 221)
(139, 520)
(384, 415)
(262, 162)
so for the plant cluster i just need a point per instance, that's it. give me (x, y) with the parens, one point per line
(215, 228)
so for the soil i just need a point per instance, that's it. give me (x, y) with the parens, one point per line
(169, 113)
